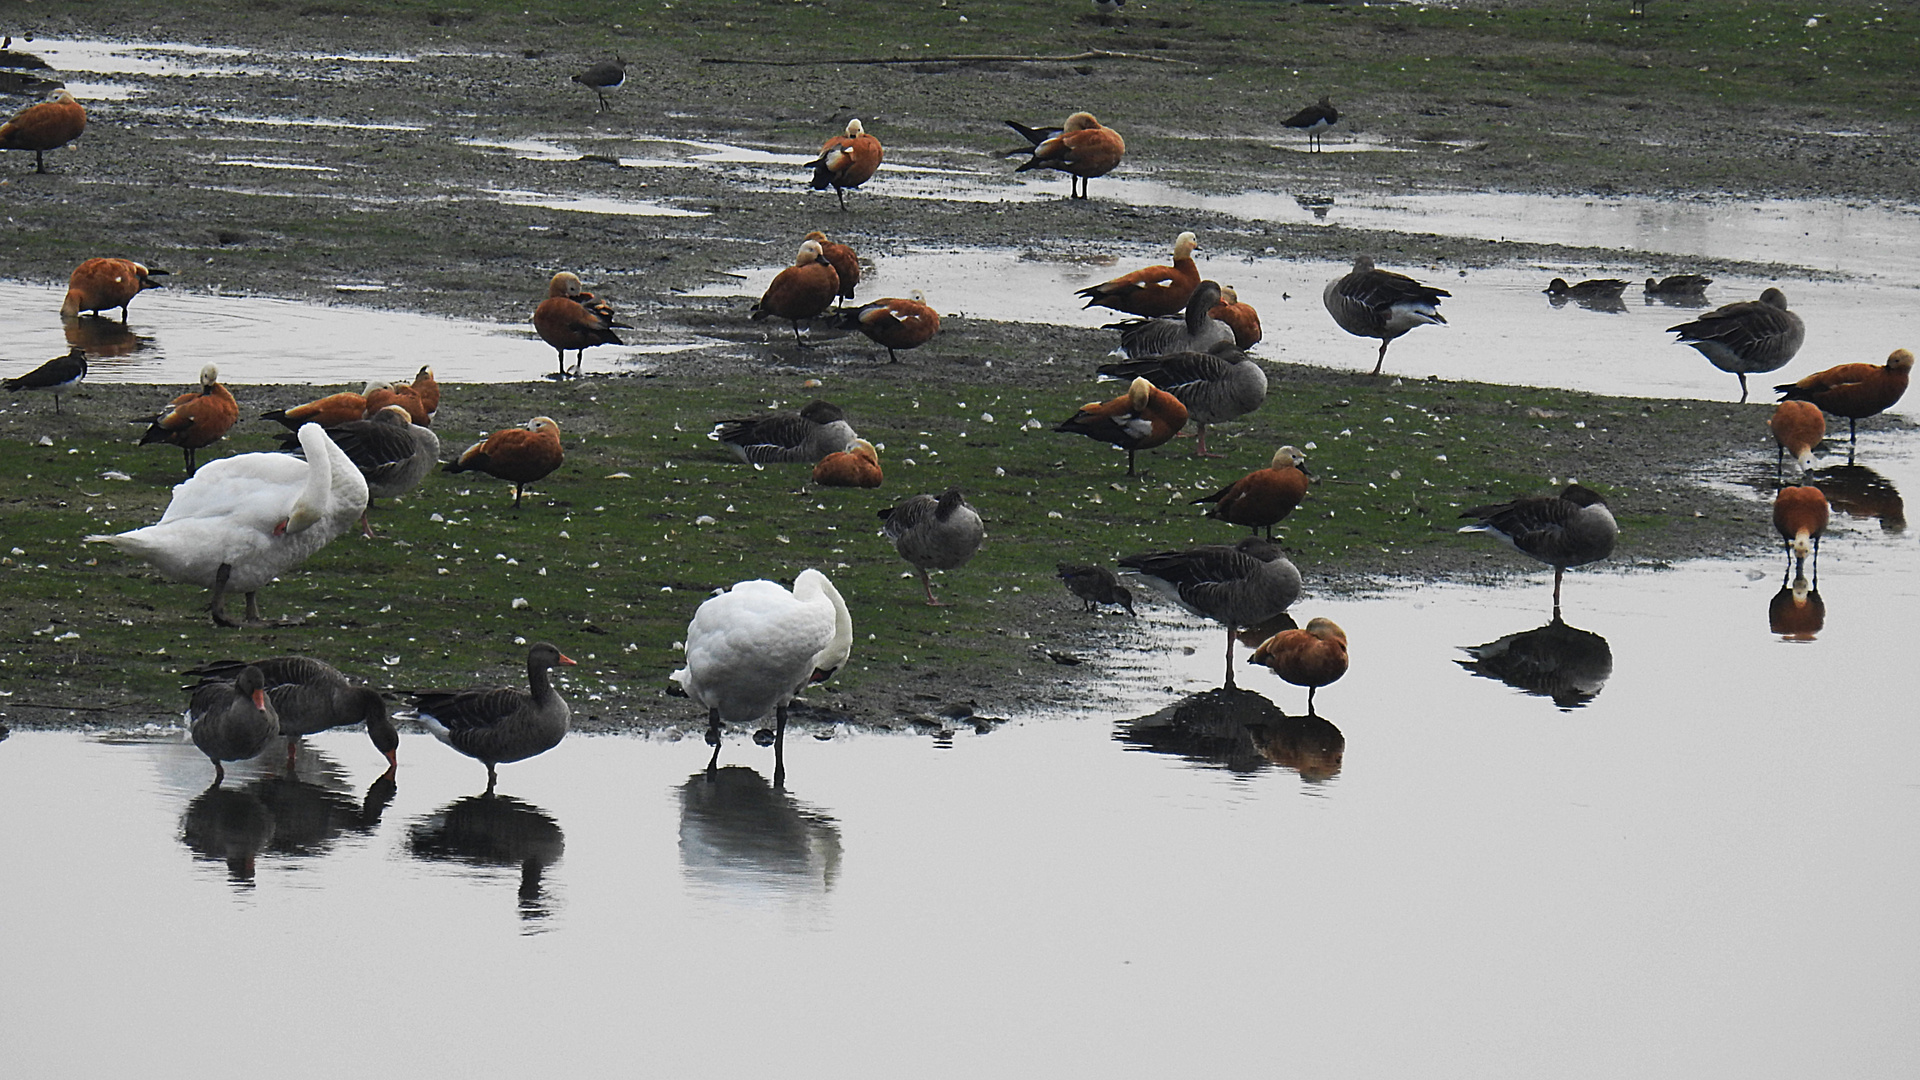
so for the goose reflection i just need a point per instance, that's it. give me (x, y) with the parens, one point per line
(310, 813)
(1796, 612)
(229, 825)
(1859, 492)
(102, 337)
(1562, 662)
(494, 830)
(736, 829)
(1241, 730)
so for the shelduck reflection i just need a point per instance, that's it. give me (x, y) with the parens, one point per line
(104, 338)
(1797, 612)
(1558, 661)
(1859, 492)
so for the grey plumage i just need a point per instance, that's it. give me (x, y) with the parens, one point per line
(389, 449)
(505, 723)
(1747, 337)
(1370, 302)
(1224, 384)
(1095, 585)
(818, 430)
(934, 533)
(309, 696)
(1242, 585)
(1198, 331)
(1573, 528)
(226, 721)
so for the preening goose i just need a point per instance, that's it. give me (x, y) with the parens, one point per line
(100, 284)
(1369, 302)
(48, 125)
(231, 721)
(390, 450)
(934, 533)
(845, 161)
(503, 724)
(1224, 384)
(1153, 290)
(753, 648)
(244, 520)
(1747, 337)
(309, 696)
(1242, 585)
(1573, 528)
(197, 418)
(56, 376)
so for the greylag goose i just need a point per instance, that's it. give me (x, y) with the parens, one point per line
(231, 721)
(309, 696)
(1381, 304)
(98, 285)
(1748, 337)
(818, 430)
(56, 376)
(250, 518)
(1315, 119)
(1263, 497)
(1312, 656)
(1573, 528)
(1197, 332)
(1095, 585)
(934, 533)
(753, 648)
(1224, 384)
(1242, 585)
(1855, 391)
(504, 723)
(389, 449)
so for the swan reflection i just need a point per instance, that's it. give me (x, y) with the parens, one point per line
(1562, 662)
(1796, 612)
(738, 830)
(1859, 492)
(104, 338)
(494, 830)
(1241, 730)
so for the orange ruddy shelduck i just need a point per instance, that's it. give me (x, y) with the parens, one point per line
(844, 260)
(895, 323)
(858, 466)
(1311, 657)
(100, 284)
(1797, 612)
(1855, 391)
(1083, 149)
(401, 394)
(1263, 497)
(1140, 419)
(329, 411)
(49, 125)
(801, 291)
(572, 318)
(427, 389)
(1800, 516)
(1239, 317)
(196, 418)
(1798, 427)
(1156, 290)
(845, 161)
(517, 454)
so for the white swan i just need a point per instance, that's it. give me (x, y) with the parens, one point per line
(244, 520)
(753, 648)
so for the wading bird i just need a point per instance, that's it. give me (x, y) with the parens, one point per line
(310, 696)
(1798, 427)
(602, 77)
(102, 284)
(1573, 528)
(1375, 303)
(1237, 586)
(231, 721)
(56, 376)
(1855, 391)
(1748, 337)
(1315, 119)
(1800, 516)
(1312, 656)
(503, 724)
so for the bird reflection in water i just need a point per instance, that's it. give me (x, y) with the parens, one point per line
(1605, 303)
(282, 815)
(1558, 661)
(736, 829)
(1317, 205)
(494, 830)
(102, 337)
(1796, 612)
(1860, 493)
(1241, 730)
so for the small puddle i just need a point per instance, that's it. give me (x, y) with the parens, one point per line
(590, 205)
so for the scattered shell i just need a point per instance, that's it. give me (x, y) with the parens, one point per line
(519, 602)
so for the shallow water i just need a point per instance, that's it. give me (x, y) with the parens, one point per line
(1700, 869)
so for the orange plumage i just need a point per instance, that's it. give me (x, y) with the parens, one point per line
(427, 389)
(572, 318)
(802, 290)
(1311, 657)
(1798, 427)
(846, 161)
(327, 411)
(1855, 391)
(401, 394)
(1263, 497)
(518, 454)
(1800, 516)
(49, 125)
(896, 323)
(842, 258)
(1239, 317)
(99, 284)
(1140, 419)
(1156, 290)
(1083, 149)
(856, 467)
(196, 418)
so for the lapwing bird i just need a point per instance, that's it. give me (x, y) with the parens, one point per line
(602, 77)
(56, 376)
(1313, 120)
